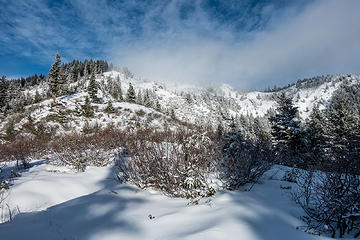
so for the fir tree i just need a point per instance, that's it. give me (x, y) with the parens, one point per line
(188, 98)
(285, 129)
(127, 73)
(147, 100)
(344, 142)
(86, 69)
(109, 108)
(116, 90)
(158, 106)
(14, 97)
(93, 88)
(3, 92)
(87, 110)
(130, 96)
(220, 132)
(316, 137)
(54, 77)
(10, 130)
(63, 86)
(120, 94)
(139, 99)
(244, 162)
(172, 114)
(72, 76)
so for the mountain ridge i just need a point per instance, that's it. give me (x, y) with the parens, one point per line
(192, 104)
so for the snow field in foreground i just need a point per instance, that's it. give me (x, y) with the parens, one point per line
(59, 204)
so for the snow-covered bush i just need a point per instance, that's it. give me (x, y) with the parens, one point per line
(290, 175)
(244, 161)
(79, 150)
(177, 163)
(331, 202)
(22, 149)
(79, 159)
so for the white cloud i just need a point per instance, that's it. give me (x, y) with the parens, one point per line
(274, 45)
(322, 38)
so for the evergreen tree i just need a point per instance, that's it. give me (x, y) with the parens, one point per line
(109, 108)
(172, 114)
(344, 142)
(220, 132)
(316, 137)
(54, 76)
(86, 69)
(127, 73)
(93, 88)
(147, 100)
(78, 76)
(158, 106)
(87, 110)
(37, 97)
(244, 162)
(130, 96)
(63, 86)
(3, 92)
(72, 75)
(119, 90)
(115, 89)
(10, 130)
(285, 130)
(14, 97)
(259, 130)
(139, 99)
(188, 98)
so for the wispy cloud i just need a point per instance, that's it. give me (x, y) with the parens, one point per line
(249, 44)
(321, 38)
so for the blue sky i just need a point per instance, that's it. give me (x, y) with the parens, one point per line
(248, 44)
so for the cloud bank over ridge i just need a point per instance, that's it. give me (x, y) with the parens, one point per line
(248, 44)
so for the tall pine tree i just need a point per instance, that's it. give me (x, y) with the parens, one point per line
(344, 140)
(317, 137)
(87, 110)
(93, 88)
(285, 130)
(3, 92)
(54, 77)
(130, 96)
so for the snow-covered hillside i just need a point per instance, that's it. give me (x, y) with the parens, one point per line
(191, 104)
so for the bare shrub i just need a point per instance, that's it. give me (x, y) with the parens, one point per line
(140, 113)
(331, 202)
(79, 150)
(177, 163)
(22, 149)
(73, 149)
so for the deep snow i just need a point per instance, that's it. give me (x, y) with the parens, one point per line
(57, 203)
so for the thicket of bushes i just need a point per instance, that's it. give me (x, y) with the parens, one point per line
(180, 163)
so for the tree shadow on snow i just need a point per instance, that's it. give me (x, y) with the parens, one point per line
(15, 170)
(81, 218)
(269, 213)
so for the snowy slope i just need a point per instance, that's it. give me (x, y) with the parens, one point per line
(60, 204)
(192, 104)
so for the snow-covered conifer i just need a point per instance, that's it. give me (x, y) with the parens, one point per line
(93, 88)
(54, 76)
(130, 96)
(87, 110)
